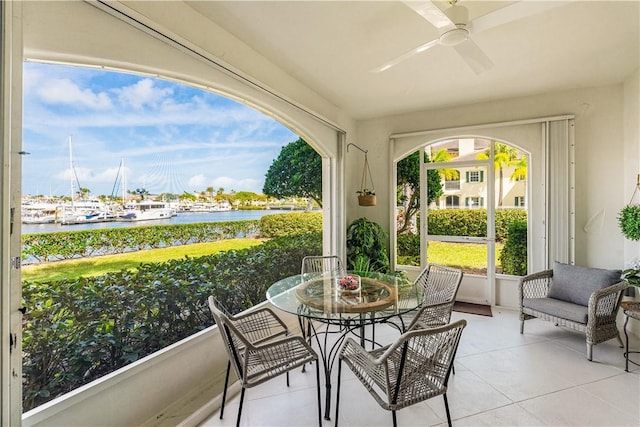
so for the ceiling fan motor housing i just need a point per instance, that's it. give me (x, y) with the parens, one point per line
(459, 16)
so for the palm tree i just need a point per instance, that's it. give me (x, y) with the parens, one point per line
(503, 156)
(83, 192)
(520, 171)
(447, 174)
(142, 192)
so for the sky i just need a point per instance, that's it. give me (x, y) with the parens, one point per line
(169, 136)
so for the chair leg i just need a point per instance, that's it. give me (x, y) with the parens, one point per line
(303, 328)
(620, 340)
(240, 408)
(287, 379)
(522, 327)
(446, 408)
(590, 352)
(224, 393)
(395, 420)
(318, 392)
(338, 392)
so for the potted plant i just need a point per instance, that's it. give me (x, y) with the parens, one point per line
(632, 276)
(629, 221)
(366, 248)
(366, 197)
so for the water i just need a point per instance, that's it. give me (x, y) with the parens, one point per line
(181, 218)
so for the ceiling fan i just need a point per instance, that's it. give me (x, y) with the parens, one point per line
(456, 29)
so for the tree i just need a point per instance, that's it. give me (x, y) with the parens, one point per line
(297, 172)
(520, 171)
(142, 192)
(503, 156)
(187, 196)
(209, 192)
(408, 171)
(245, 197)
(83, 192)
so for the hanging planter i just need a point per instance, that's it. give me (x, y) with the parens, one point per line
(367, 199)
(629, 217)
(367, 192)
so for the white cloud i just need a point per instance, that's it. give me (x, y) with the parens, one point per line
(143, 93)
(235, 184)
(172, 138)
(197, 182)
(64, 91)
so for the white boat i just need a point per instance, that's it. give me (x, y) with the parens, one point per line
(40, 213)
(147, 210)
(217, 206)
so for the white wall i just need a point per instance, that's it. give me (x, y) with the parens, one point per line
(602, 136)
(631, 150)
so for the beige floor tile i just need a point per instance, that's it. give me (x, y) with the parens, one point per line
(503, 378)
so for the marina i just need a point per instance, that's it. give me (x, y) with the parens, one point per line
(180, 218)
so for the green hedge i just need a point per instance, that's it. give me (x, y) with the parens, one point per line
(471, 222)
(513, 257)
(290, 223)
(511, 228)
(461, 222)
(78, 330)
(42, 247)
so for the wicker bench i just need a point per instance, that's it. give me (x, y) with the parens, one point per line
(581, 298)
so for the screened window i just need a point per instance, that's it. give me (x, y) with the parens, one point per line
(475, 176)
(474, 202)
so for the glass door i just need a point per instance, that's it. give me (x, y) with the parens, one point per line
(458, 228)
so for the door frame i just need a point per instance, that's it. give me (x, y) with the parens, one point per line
(10, 249)
(551, 234)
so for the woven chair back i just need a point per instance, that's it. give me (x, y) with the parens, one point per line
(440, 283)
(330, 264)
(234, 341)
(420, 364)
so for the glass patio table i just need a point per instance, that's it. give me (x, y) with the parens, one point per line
(380, 298)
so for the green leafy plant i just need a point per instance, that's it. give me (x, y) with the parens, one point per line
(632, 273)
(367, 239)
(629, 221)
(43, 247)
(514, 254)
(290, 223)
(78, 330)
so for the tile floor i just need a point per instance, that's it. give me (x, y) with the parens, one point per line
(502, 378)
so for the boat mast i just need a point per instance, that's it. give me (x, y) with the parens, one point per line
(124, 184)
(71, 173)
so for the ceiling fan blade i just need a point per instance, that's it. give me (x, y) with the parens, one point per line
(431, 13)
(474, 56)
(513, 12)
(405, 56)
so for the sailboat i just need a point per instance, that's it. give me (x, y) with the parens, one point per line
(84, 210)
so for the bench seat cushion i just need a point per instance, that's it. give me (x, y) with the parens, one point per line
(572, 283)
(558, 308)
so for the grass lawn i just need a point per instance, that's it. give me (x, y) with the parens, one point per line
(96, 266)
(471, 257)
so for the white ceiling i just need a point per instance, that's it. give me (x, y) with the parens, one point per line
(332, 46)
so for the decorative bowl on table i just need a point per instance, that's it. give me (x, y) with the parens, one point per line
(349, 284)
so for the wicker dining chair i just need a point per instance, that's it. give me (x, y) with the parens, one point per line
(318, 265)
(258, 326)
(416, 367)
(322, 264)
(440, 284)
(258, 355)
